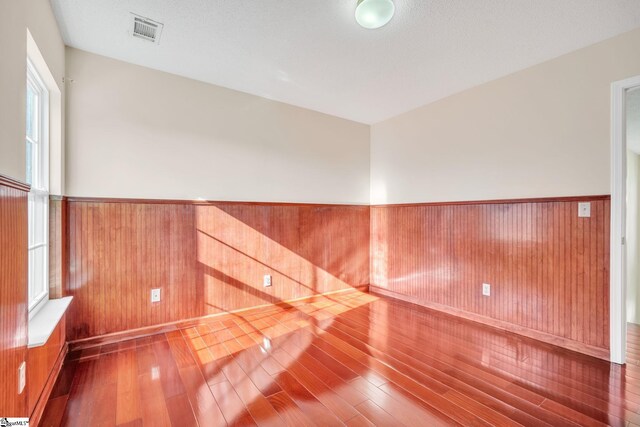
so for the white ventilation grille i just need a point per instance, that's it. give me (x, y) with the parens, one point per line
(146, 29)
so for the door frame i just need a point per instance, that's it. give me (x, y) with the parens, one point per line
(617, 267)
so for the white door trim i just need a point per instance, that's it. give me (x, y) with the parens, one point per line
(617, 268)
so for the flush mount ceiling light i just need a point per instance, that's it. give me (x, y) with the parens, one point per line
(373, 14)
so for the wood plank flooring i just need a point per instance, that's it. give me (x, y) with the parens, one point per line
(352, 359)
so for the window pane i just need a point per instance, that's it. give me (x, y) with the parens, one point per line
(39, 220)
(37, 160)
(32, 112)
(32, 219)
(30, 165)
(33, 167)
(32, 279)
(39, 271)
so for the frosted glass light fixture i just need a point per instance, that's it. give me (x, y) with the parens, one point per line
(373, 14)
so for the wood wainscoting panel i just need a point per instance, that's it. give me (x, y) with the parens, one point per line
(548, 268)
(57, 246)
(206, 258)
(42, 370)
(13, 295)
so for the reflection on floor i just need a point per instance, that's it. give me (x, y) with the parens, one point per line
(354, 359)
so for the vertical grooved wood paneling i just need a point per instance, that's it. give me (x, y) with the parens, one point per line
(206, 258)
(13, 295)
(548, 268)
(41, 365)
(58, 248)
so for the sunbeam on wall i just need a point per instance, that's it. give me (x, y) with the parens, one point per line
(234, 256)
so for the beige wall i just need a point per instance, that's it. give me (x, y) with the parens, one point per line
(13, 51)
(15, 17)
(543, 131)
(140, 133)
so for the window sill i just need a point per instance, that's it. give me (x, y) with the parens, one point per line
(42, 325)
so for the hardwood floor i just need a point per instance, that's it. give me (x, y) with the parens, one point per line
(351, 359)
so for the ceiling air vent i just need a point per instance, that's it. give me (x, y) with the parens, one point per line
(146, 28)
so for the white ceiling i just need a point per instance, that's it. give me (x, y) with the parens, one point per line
(311, 53)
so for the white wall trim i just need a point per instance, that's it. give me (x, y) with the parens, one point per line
(618, 286)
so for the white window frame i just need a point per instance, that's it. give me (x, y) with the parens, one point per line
(39, 194)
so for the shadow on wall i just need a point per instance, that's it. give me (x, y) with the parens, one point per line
(206, 258)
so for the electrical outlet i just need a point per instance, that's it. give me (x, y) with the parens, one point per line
(155, 372)
(22, 377)
(486, 289)
(584, 209)
(155, 295)
(266, 281)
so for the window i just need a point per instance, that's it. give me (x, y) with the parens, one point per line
(37, 141)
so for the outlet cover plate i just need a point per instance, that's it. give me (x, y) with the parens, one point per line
(266, 281)
(155, 295)
(584, 209)
(486, 289)
(22, 377)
